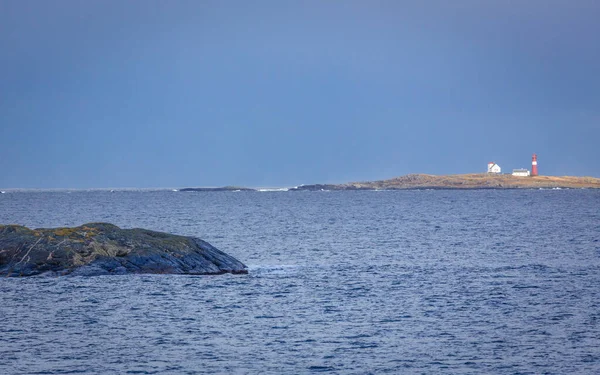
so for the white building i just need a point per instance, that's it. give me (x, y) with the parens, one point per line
(521, 172)
(494, 168)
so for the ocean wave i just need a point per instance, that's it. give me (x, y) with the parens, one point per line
(272, 269)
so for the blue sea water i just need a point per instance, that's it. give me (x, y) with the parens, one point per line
(468, 282)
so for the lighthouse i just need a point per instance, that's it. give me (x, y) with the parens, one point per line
(534, 171)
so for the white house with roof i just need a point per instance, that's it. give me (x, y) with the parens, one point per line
(494, 168)
(521, 172)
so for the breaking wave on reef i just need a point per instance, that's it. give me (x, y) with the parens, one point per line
(279, 269)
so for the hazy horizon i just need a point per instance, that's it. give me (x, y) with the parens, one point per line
(177, 187)
(153, 94)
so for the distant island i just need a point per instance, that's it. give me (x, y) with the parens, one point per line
(464, 181)
(223, 188)
(456, 181)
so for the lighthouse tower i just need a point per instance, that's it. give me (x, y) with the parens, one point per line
(534, 171)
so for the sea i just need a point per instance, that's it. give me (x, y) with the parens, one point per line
(344, 282)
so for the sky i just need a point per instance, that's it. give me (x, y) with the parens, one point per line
(175, 93)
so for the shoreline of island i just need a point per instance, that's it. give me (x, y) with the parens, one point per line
(474, 181)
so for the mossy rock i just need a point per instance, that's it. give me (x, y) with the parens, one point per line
(102, 248)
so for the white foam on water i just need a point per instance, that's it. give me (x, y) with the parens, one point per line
(273, 269)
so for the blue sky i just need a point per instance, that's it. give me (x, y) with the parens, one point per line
(279, 93)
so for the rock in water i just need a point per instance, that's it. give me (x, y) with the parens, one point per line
(104, 249)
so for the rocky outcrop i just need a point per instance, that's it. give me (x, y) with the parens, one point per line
(224, 188)
(317, 187)
(102, 249)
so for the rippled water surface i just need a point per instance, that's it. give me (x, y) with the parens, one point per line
(475, 282)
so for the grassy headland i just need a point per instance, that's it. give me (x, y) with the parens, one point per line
(464, 181)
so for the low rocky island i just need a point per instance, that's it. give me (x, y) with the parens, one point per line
(105, 249)
(463, 181)
(429, 181)
(222, 188)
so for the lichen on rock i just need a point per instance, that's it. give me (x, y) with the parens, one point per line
(102, 248)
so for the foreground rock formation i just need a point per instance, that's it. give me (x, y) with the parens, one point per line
(102, 249)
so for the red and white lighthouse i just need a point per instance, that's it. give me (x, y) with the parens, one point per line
(534, 171)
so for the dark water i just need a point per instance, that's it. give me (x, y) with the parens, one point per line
(343, 282)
